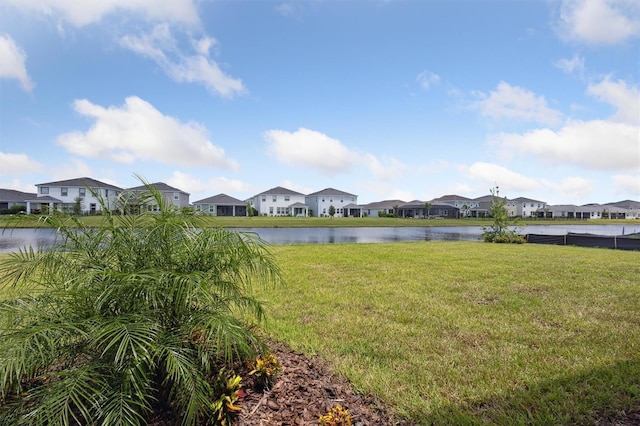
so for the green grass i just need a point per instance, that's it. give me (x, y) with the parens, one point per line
(469, 333)
(30, 221)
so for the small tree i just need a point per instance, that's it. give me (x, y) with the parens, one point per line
(77, 205)
(396, 210)
(427, 208)
(499, 231)
(332, 210)
(465, 210)
(133, 317)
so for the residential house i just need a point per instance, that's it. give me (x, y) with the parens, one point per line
(418, 209)
(381, 208)
(221, 205)
(172, 195)
(10, 198)
(344, 203)
(525, 207)
(467, 206)
(280, 201)
(84, 195)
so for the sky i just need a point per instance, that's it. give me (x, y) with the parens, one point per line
(385, 99)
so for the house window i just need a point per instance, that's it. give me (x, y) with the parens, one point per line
(83, 192)
(176, 196)
(271, 211)
(264, 198)
(44, 189)
(445, 212)
(341, 200)
(286, 198)
(212, 208)
(275, 198)
(323, 199)
(64, 192)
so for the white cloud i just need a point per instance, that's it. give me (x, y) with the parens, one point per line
(12, 62)
(627, 184)
(573, 65)
(209, 187)
(513, 102)
(161, 46)
(74, 168)
(593, 144)
(138, 131)
(494, 174)
(600, 21)
(18, 185)
(570, 188)
(81, 13)
(427, 79)
(14, 164)
(625, 99)
(387, 168)
(308, 148)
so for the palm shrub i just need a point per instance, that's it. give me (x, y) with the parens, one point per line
(128, 319)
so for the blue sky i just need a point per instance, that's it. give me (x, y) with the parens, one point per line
(384, 99)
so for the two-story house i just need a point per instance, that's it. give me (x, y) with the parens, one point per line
(280, 201)
(80, 195)
(344, 203)
(170, 194)
(467, 206)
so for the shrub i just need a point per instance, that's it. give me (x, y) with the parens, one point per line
(265, 369)
(337, 416)
(127, 319)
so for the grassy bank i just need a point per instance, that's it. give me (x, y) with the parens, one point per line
(459, 333)
(467, 332)
(32, 221)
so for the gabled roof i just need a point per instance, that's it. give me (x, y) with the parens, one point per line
(278, 190)
(386, 204)
(484, 198)
(221, 200)
(160, 186)
(15, 196)
(298, 205)
(331, 191)
(626, 204)
(82, 182)
(451, 198)
(526, 200)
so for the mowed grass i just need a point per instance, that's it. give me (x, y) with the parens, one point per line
(466, 332)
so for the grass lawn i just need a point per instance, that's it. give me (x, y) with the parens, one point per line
(465, 332)
(469, 332)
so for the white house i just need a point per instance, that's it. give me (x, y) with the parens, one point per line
(321, 201)
(170, 194)
(67, 195)
(524, 207)
(280, 201)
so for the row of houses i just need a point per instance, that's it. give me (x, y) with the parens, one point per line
(82, 195)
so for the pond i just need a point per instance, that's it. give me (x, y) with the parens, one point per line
(13, 239)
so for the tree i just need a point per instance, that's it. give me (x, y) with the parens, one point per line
(396, 210)
(130, 318)
(332, 210)
(427, 208)
(465, 210)
(77, 205)
(499, 230)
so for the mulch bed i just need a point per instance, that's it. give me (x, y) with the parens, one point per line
(304, 391)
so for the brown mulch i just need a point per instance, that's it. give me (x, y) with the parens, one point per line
(304, 391)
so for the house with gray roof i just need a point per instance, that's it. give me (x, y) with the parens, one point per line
(84, 193)
(279, 201)
(381, 208)
(221, 205)
(344, 203)
(418, 209)
(172, 195)
(10, 198)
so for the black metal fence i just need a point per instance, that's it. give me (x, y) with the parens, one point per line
(619, 242)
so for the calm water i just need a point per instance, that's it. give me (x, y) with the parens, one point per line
(13, 239)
